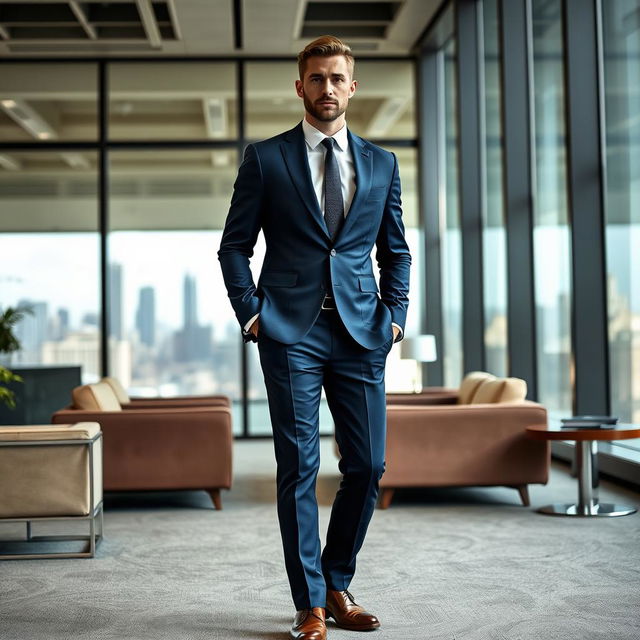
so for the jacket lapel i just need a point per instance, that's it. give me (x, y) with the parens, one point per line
(363, 163)
(295, 157)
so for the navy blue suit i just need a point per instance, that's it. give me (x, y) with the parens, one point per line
(303, 348)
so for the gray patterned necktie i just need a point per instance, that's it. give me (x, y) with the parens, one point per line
(333, 204)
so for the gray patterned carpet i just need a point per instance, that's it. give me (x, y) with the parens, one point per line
(447, 564)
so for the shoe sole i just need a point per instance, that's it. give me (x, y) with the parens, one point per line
(351, 627)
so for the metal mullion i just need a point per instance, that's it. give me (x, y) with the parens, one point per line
(103, 212)
(469, 112)
(241, 143)
(190, 59)
(127, 144)
(585, 182)
(518, 187)
(172, 144)
(429, 178)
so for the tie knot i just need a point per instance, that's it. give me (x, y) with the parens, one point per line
(328, 143)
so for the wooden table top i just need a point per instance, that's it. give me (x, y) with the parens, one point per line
(553, 432)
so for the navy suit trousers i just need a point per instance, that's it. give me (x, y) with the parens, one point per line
(353, 379)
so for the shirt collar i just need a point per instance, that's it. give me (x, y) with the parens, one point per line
(314, 137)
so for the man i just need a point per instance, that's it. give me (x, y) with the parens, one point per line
(323, 197)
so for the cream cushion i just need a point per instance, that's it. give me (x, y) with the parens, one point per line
(118, 389)
(77, 431)
(500, 390)
(470, 384)
(42, 480)
(95, 397)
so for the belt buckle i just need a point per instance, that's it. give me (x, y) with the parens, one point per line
(327, 308)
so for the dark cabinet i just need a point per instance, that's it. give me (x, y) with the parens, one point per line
(45, 390)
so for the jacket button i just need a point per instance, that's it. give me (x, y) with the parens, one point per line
(333, 252)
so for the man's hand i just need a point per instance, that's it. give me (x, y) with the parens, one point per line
(396, 331)
(254, 327)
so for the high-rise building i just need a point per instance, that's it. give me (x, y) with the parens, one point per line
(116, 328)
(192, 342)
(91, 319)
(190, 302)
(62, 327)
(31, 332)
(146, 316)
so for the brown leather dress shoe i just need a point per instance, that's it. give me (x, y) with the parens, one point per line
(309, 625)
(343, 609)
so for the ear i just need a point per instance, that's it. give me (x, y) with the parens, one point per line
(299, 89)
(352, 88)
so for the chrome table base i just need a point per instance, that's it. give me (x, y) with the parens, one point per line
(596, 509)
(587, 472)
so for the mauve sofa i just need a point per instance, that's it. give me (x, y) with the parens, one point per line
(157, 448)
(480, 441)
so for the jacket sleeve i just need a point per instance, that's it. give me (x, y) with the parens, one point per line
(393, 256)
(239, 237)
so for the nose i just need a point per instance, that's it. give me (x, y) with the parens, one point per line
(328, 87)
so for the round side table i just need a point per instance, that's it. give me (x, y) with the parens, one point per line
(586, 462)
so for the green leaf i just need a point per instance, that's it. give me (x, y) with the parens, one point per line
(7, 397)
(8, 318)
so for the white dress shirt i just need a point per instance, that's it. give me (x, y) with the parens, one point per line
(316, 153)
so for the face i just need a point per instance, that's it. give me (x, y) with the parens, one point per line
(326, 87)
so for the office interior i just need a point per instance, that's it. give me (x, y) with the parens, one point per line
(517, 131)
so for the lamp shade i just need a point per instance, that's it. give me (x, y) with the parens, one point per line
(420, 348)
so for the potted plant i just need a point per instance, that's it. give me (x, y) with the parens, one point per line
(8, 344)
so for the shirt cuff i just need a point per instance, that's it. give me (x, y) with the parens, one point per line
(401, 334)
(248, 325)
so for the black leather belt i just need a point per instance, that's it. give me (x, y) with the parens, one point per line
(328, 304)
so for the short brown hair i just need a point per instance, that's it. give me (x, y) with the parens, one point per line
(325, 46)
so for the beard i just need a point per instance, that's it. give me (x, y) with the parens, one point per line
(322, 113)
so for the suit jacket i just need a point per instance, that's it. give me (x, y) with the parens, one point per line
(274, 192)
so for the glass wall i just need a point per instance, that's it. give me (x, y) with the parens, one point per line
(44, 102)
(171, 327)
(186, 101)
(551, 234)
(382, 107)
(172, 331)
(494, 247)
(621, 40)
(380, 110)
(401, 375)
(272, 105)
(541, 106)
(49, 256)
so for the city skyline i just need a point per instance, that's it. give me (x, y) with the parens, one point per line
(153, 278)
(152, 259)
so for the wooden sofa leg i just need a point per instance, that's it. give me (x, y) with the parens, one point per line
(523, 490)
(386, 496)
(217, 499)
